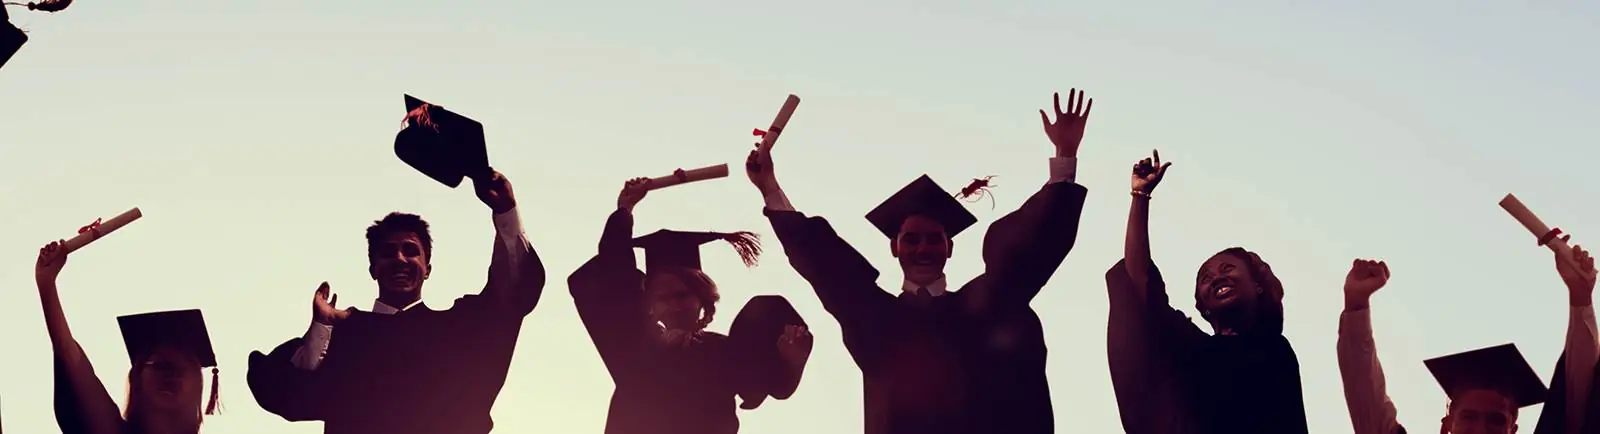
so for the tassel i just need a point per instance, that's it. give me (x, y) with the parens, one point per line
(44, 5)
(748, 244)
(214, 407)
(420, 117)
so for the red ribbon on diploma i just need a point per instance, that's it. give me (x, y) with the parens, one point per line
(420, 117)
(91, 227)
(1549, 236)
(758, 133)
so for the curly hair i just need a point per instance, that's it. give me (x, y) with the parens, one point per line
(1269, 314)
(399, 222)
(704, 288)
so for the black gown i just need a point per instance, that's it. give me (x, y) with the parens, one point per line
(659, 390)
(420, 371)
(1171, 377)
(972, 361)
(1553, 416)
(11, 38)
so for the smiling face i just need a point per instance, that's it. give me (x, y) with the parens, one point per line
(680, 298)
(1226, 292)
(922, 247)
(399, 262)
(167, 381)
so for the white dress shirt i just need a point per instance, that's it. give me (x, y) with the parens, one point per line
(508, 229)
(1371, 411)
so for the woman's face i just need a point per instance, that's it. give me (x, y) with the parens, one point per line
(673, 302)
(1225, 289)
(168, 380)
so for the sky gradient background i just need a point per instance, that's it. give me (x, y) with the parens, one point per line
(256, 137)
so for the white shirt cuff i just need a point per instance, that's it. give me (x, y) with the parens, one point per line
(1063, 169)
(508, 227)
(777, 201)
(313, 347)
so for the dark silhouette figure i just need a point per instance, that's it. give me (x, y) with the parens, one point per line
(671, 375)
(11, 37)
(967, 361)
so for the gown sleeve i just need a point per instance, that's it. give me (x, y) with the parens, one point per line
(609, 296)
(1149, 400)
(11, 38)
(282, 389)
(1022, 250)
(844, 281)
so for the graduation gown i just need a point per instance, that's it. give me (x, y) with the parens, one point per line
(1552, 417)
(971, 361)
(11, 38)
(1171, 377)
(420, 371)
(659, 390)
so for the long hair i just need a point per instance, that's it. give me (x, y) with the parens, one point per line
(704, 289)
(134, 413)
(1269, 305)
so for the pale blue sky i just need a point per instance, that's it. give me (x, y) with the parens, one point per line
(256, 137)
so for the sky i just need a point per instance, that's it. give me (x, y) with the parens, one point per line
(256, 137)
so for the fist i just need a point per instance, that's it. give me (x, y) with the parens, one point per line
(1364, 279)
(51, 258)
(795, 343)
(1578, 272)
(633, 191)
(322, 310)
(758, 167)
(495, 192)
(1148, 172)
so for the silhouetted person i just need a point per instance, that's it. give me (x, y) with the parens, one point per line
(404, 367)
(1172, 377)
(932, 361)
(165, 388)
(1487, 387)
(671, 375)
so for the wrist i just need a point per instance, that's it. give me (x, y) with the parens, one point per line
(1580, 300)
(1352, 304)
(1141, 194)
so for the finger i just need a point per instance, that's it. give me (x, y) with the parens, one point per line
(1086, 109)
(1385, 267)
(1164, 168)
(1078, 110)
(1058, 104)
(1157, 154)
(334, 301)
(1046, 118)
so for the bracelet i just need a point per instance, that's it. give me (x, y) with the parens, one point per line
(1143, 193)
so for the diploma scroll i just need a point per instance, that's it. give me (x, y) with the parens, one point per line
(688, 176)
(1547, 236)
(770, 136)
(98, 229)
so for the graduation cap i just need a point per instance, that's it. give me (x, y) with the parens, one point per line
(1499, 368)
(184, 330)
(921, 197)
(442, 144)
(11, 38)
(754, 334)
(667, 248)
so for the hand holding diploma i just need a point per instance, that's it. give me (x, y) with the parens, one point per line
(94, 231)
(681, 176)
(770, 136)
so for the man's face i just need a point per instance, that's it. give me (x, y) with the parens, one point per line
(398, 263)
(922, 248)
(1481, 412)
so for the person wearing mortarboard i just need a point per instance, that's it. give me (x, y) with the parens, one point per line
(671, 375)
(1168, 374)
(404, 367)
(11, 37)
(935, 360)
(168, 352)
(1486, 387)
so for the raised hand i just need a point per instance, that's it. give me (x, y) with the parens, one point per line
(795, 343)
(52, 257)
(495, 192)
(322, 310)
(758, 167)
(1364, 279)
(1578, 273)
(1148, 172)
(1067, 131)
(633, 191)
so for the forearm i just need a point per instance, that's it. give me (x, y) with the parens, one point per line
(516, 274)
(1371, 411)
(313, 347)
(1136, 244)
(1582, 352)
(775, 199)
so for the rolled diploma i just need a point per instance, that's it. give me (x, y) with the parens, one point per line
(1534, 225)
(771, 138)
(692, 175)
(106, 228)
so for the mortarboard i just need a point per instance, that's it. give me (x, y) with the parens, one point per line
(11, 38)
(754, 334)
(921, 197)
(184, 330)
(667, 248)
(1500, 368)
(442, 144)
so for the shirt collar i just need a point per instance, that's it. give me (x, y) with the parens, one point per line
(379, 308)
(937, 288)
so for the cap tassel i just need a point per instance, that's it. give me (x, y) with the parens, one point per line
(44, 5)
(420, 117)
(214, 406)
(748, 244)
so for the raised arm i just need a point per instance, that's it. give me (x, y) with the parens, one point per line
(516, 274)
(82, 404)
(608, 293)
(1582, 351)
(1365, 394)
(844, 281)
(1147, 174)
